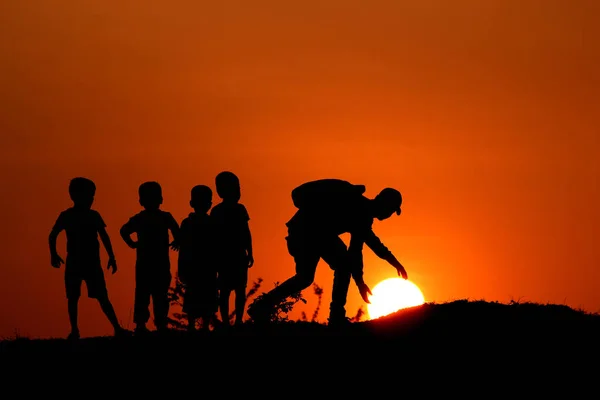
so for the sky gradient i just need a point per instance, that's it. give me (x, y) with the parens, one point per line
(485, 115)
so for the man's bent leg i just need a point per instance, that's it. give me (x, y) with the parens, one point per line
(335, 254)
(306, 266)
(341, 283)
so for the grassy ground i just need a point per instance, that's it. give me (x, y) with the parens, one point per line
(472, 325)
(461, 338)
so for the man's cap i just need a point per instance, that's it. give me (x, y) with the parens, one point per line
(392, 197)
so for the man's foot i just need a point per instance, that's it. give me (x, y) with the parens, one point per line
(259, 313)
(74, 335)
(339, 322)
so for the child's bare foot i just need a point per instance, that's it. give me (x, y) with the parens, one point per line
(74, 335)
(121, 332)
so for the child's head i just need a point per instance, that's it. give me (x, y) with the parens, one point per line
(201, 200)
(228, 186)
(150, 195)
(82, 192)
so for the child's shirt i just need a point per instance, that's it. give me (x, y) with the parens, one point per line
(81, 226)
(196, 248)
(231, 227)
(152, 229)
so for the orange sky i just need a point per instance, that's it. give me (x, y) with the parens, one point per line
(485, 115)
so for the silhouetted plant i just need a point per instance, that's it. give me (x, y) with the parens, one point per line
(359, 315)
(251, 293)
(319, 293)
(176, 293)
(279, 313)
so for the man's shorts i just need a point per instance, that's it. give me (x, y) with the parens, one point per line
(91, 274)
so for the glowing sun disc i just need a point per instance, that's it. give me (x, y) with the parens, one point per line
(393, 294)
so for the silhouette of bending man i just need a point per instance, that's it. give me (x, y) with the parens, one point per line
(328, 208)
(152, 265)
(82, 226)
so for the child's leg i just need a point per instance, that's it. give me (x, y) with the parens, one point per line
(224, 305)
(96, 287)
(160, 302)
(72, 303)
(141, 305)
(109, 311)
(240, 304)
(73, 282)
(240, 294)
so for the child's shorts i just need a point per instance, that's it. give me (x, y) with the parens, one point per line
(233, 278)
(91, 274)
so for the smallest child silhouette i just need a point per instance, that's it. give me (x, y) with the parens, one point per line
(196, 264)
(152, 266)
(234, 245)
(82, 226)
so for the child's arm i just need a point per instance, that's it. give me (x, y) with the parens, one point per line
(248, 240)
(126, 231)
(55, 259)
(174, 228)
(249, 246)
(112, 263)
(182, 260)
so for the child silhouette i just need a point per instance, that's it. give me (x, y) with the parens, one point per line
(196, 264)
(152, 266)
(234, 245)
(82, 226)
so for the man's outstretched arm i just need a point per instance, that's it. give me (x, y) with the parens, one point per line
(381, 251)
(356, 264)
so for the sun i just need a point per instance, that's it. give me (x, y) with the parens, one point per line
(391, 295)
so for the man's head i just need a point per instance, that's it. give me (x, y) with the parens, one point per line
(228, 186)
(82, 192)
(201, 200)
(387, 202)
(150, 194)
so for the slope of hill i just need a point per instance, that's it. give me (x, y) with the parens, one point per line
(461, 347)
(472, 326)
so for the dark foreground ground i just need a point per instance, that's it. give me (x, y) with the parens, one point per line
(544, 346)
